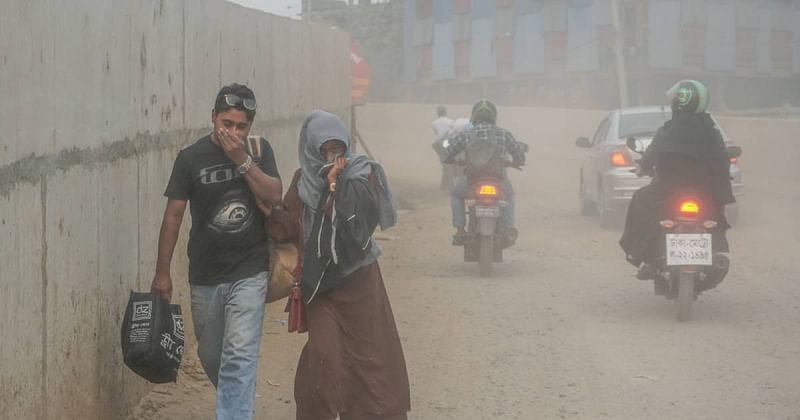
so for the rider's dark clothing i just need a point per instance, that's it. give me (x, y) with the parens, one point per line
(688, 152)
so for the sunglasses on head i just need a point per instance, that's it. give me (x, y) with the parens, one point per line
(236, 101)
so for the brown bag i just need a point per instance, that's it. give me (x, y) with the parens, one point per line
(285, 272)
(283, 258)
(282, 267)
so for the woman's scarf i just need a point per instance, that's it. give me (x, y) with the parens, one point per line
(322, 126)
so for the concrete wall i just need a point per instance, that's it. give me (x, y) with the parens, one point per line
(96, 98)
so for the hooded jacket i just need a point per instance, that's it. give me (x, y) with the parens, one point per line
(338, 226)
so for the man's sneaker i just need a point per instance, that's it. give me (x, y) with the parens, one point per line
(647, 272)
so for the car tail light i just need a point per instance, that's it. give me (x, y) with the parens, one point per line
(487, 190)
(620, 158)
(690, 207)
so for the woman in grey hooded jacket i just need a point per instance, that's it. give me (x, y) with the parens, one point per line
(353, 365)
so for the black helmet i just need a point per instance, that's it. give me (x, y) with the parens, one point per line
(485, 112)
(441, 110)
(689, 96)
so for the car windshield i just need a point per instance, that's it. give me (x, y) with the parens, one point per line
(642, 124)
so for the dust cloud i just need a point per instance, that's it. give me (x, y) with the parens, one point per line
(563, 329)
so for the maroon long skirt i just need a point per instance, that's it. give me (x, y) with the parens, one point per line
(353, 364)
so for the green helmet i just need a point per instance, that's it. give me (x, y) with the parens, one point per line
(689, 96)
(485, 112)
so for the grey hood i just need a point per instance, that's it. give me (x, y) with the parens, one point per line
(321, 126)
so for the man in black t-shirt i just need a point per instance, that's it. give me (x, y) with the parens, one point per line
(227, 246)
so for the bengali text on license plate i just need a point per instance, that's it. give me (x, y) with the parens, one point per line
(487, 212)
(689, 249)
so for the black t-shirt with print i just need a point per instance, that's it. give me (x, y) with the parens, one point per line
(227, 240)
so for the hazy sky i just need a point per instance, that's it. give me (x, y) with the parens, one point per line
(288, 8)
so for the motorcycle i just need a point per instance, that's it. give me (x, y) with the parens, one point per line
(487, 236)
(690, 263)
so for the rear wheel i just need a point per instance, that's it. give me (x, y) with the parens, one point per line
(486, 255)
(685, 298)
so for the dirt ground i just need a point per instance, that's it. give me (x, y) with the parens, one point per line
(563, 329)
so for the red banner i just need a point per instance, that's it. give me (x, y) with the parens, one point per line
(359, 75)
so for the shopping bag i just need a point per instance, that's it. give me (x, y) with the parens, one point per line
(152, 337)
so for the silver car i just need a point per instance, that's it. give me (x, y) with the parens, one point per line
(606, 181)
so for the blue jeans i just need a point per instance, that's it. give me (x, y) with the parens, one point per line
(227, 323)
(459, 209)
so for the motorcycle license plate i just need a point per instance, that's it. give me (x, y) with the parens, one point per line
(487, 211)
(689, 249)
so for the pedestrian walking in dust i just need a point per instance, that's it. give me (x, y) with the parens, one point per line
(353, 364)
(227, 246)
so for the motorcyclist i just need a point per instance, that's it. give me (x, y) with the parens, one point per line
(443, 128)
(460, 125)
(443, 124)
(450, 171)
(483, 135)
(687, 152)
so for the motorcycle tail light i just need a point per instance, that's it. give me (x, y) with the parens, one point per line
(690, 207)
(709, 224)
(734, 160)
(620, 158)
(667, 224)
(487, 191)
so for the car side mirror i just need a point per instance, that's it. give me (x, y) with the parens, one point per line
(734, 152)
(583, 142)
(634, 144)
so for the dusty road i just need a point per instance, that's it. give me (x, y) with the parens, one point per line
(564, 330)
